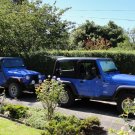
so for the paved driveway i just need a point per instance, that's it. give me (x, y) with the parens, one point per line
(106, 112)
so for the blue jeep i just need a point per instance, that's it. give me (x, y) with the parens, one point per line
(15, 78)
(94, 78)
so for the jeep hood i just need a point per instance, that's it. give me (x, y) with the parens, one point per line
(20, 72)
(124, 79)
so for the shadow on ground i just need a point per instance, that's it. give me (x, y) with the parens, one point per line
(96, 107)
(26, 97)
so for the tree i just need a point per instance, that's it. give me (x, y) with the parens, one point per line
(115, 34)
(92, 36)
(131, 34)
(129, 42)
(31, 26)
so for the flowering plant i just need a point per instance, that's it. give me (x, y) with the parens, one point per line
(48, 93)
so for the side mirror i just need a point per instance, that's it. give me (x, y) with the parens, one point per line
(58, 72)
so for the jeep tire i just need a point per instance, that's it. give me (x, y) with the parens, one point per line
(66, 98)
(123, 100)
(14, 90)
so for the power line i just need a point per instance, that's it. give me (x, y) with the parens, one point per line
(102, 10)
(122, 19)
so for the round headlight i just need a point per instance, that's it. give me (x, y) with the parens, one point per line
(54, 77)
(39, 76)
(40, 81)
(33, 82)
(27, 77)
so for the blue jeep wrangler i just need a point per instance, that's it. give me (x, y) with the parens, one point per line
(15, 78)
(94, 78)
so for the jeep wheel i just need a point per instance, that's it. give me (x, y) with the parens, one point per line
(66, 98)
(125, 102)
(14, 90)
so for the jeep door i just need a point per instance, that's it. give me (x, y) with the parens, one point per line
(88, 80)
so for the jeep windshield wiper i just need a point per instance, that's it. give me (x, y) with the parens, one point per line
(111, 70)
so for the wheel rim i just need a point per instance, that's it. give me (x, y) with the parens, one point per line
(127, 104)
(63, 97)
(13, 90)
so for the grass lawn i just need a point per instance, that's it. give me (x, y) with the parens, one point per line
(8, 127)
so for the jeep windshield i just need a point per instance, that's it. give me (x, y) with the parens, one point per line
(13, 63)
(108, 66)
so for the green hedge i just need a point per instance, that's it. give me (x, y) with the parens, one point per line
(43, 61)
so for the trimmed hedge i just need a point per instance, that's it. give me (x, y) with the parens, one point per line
(43, 61)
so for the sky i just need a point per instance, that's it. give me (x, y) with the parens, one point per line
(122, 12)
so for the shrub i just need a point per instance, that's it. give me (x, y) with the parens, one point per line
(48, 93)
(36, 118)
(66, 126)
(91, 126)
(63, 125)
(61, 128)
(89, 122)
(70, 125)
(2, 100)
(15, 111)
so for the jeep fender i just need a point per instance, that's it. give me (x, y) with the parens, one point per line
(13, 79)
(122, 90)
(69, 84)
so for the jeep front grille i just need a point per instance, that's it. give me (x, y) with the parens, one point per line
(35, 78)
